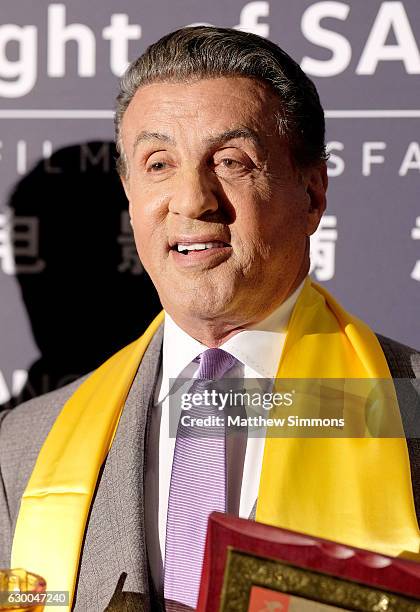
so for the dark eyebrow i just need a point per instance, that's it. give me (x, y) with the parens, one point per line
(243, 132)
(145, 136)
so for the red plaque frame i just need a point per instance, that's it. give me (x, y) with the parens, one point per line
(394, 575)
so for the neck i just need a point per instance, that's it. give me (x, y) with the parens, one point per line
(210, 333)
(213, 332)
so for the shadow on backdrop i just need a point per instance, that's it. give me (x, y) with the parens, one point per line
(84, 289)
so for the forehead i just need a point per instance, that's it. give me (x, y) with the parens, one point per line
(204, 107)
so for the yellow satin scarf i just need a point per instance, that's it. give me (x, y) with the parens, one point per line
(355, 491)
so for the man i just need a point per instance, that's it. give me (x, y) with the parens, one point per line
(221, 141)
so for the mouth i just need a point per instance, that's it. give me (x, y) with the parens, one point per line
(207, 251)
(189, 249)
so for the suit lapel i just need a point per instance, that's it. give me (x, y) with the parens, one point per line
(404, 363)
(115, 536)
(253, 512)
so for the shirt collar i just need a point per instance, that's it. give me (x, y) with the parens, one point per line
(179, 349)
(258, 347)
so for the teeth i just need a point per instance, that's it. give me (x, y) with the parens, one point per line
(198, 246)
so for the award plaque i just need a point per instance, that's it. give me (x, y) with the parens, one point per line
(252, 567)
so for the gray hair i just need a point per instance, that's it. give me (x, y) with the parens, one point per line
(201, 52)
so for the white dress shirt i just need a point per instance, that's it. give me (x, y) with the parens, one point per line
(258, 350)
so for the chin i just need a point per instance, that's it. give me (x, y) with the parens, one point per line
(204, 311)
(205, 307)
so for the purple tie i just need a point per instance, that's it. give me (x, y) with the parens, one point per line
(198, 486)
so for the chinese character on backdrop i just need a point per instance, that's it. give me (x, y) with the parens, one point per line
(323, 249)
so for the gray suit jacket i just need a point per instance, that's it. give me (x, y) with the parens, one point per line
(114, 571)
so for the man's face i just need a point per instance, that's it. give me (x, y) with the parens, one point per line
(221, 215)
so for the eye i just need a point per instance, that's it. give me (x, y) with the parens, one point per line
(229, 167)
(232, 162)
(156, 166)
(157, 161)
(228, 162)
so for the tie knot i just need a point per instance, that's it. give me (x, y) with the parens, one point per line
(214, 363)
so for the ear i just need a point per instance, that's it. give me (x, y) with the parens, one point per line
(316, 183)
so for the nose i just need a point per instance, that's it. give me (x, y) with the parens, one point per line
(196, 194)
